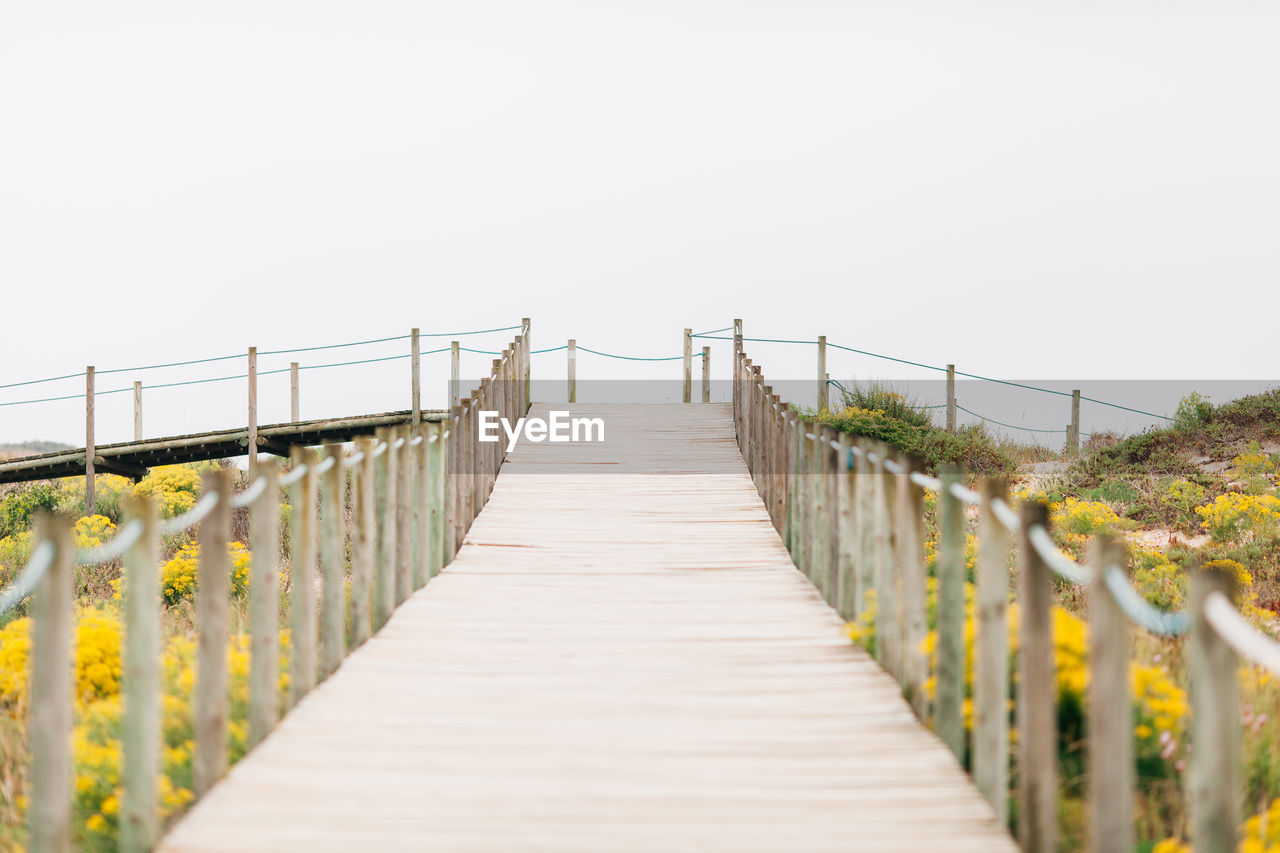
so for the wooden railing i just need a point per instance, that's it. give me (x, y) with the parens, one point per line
(414, 492)
(851, 512)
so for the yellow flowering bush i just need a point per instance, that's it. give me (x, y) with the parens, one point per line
(1084, 518)
(15, 551)
(1182, 496)
(109, 491)
(175, 487)
(96, 741)
(93, 530)
(178, 575)
(1160, 706)
(96, 647)
(1234, 517)
(1258, 834)
(1253, 467)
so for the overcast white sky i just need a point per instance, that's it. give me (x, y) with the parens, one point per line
(1030, 190)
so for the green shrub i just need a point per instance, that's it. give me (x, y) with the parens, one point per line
(18, 509)
(1194, 410)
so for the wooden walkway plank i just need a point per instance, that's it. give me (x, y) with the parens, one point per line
(621, 657)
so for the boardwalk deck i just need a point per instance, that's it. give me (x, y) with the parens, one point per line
(617, 659)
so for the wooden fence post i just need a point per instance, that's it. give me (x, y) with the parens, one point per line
(864, 492)
(688, 365)
(822, 530)
(781, 463)
(264, 606)
(951, 398)
(415, 377)
(213, 591)
(333, 598)
(950, 571)
(404, 517)
(1074, 437)
(1110, 737)
(824, 394)
(90, 451)
(1214, 783)
(888, 614)
(384, 579)
(991, 656)
(295, 408)
(137, 411)
(141, 682)
(706, 374)
(528, 363)
(302, 570)
(847, 522)
(363, 544)
(915, 623)
(253, 409)
(49, 712)
(422, 507)
(572, 350)
(1037, 693)
(455, 374)
(437, 455)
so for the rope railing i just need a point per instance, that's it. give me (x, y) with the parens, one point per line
(217, 358)
(822, 343)
(859, 539)
(414, 490)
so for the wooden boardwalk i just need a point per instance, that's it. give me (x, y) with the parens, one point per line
(618, 659)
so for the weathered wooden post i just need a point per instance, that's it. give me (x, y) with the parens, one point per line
(991, 655)
(951, 398)
(141, 682)
(415, 377)
(888, 633)
(264, 606)
(822, 530)
(89, 450)
(799, 493)
(303, 497)
(706, 374)
(1214, 785)
(384, 579)
(573, 370)
(421, 506)
(363, 542)
(846, 514)
(137, 411)
(49, 713)
(688, 365)
(253, 409)
(437, 456)
(736, 377)
(1110, 741)
(295, 409)
(864, 491)
(824, 394)
(213, 591)
(1075, 422)
(949, 704)
(915, 623)
(528, 363)
(404, 517)
(1037, 693)
(333, 597)
(455, 374)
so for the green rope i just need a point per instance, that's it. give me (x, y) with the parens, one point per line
(637, 357)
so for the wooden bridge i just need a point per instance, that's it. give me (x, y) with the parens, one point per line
(633, 643)
(621, 656)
